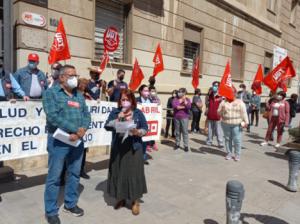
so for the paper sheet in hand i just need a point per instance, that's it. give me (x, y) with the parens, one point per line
(64, 137)
(124, 126)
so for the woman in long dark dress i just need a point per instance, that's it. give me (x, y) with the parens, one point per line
(126, 176)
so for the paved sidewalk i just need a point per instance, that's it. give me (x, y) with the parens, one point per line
(183, 188)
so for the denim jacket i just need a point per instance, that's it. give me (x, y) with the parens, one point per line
(138, 118)
(24, 78)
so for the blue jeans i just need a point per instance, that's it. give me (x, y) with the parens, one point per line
(58, 154)
(233, 138)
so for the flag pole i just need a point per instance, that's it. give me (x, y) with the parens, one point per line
(112, 71)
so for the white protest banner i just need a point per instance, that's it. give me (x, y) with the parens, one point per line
(23, 133)
(153, 114)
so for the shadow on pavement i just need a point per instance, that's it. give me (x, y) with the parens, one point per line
(277, 155)
(168, 143)
(210, 221)
(102, 186)
(265, 219)
(198, 141)
(101, 165)
(254, 141)
(256, 136)
(206, 150)
(274, 182)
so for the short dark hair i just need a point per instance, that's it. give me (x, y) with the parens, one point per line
(142, 87)
(64, 68)
(282, 93)
(130, 96)
(197, 91)
(182, 90)
(151, 88)
(216, 82)
(120, 71)
(243, 86)
(294, 95)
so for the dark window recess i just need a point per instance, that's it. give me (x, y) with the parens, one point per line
(238, 60)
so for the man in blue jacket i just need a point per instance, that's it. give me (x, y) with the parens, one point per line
(32, 80)
(9, 86)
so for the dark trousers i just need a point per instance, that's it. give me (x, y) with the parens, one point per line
(169, 122)
(196, 120)
(255, 113)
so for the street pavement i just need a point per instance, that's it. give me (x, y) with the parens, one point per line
(184, 188)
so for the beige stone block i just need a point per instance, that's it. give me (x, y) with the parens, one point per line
(213, 70)
(157, 30)
(254, 58)
(146, 43)
(74, 25)
(217, 36)
(216, 59)
(145, 59)
(170, 18)
(251, 67)
(29, 37)
(80, 8)
(217, 48)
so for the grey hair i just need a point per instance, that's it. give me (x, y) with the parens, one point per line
(64, 68)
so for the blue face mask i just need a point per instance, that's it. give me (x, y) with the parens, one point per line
(32, 65)
(215, 89)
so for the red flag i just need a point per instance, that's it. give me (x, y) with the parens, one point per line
(256, 85)
(273, 79)
(60, 49)
(284, 79)
(104, 61)
(226, 88)
(158, 61)
(136, 77)
(196, 70)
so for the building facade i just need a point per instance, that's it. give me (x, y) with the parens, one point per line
(244, 32)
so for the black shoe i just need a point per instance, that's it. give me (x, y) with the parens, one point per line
(186, 149)
(84, 175)
(0, 198)
(166, 136)
(256, 125)
(76, 211)
(146, 162)
(53, 219)
(176, 147)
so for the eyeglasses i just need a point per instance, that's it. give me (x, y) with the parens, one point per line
(73, 75)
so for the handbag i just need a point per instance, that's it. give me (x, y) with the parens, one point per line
(266, 114)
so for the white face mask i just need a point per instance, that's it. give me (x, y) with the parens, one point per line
(72, 82)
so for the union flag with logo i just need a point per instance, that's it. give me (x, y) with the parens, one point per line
(277, 76)
(226, 88)
(60, 48)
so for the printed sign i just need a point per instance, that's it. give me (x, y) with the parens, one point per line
(34, 19)
(279, 54)
(23, 132)
(153, 114)
(111, 39)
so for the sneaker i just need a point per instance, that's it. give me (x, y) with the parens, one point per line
(84, 175)
(155, 148)
(186, 149)
(221, 146)
(208, 143)
(277, 145)
(264, 143)
(176, 147)
(236, 158)
(148, 148)
(76, 211)
(228, 157)
(53, 219)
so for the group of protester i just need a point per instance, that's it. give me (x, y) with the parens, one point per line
(64, 97)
